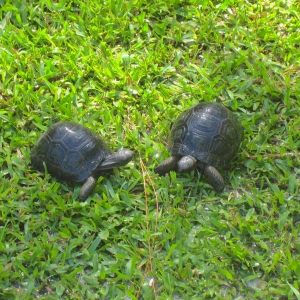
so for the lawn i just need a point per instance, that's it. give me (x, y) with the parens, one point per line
(127, 69)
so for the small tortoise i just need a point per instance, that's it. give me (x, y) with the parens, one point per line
(72, 152)
(205, 136)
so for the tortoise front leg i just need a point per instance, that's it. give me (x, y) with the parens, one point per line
(87, 188)
(167, 165)
(214, 177)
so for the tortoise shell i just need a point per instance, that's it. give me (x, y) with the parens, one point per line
(70, 152)
(209, 132)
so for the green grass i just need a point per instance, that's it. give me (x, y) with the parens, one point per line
(127, 69)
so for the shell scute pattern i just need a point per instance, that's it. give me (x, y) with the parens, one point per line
(70, 151)
(207, 131)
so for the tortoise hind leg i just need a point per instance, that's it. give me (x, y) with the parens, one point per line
(214, 177)
(87, 188)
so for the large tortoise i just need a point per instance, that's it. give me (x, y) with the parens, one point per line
(73, 152)
(206, 136)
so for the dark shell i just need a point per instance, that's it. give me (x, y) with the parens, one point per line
(209, 132)
(70, 151)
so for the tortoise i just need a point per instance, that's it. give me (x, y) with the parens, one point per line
(74, 153)
(205, 136)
